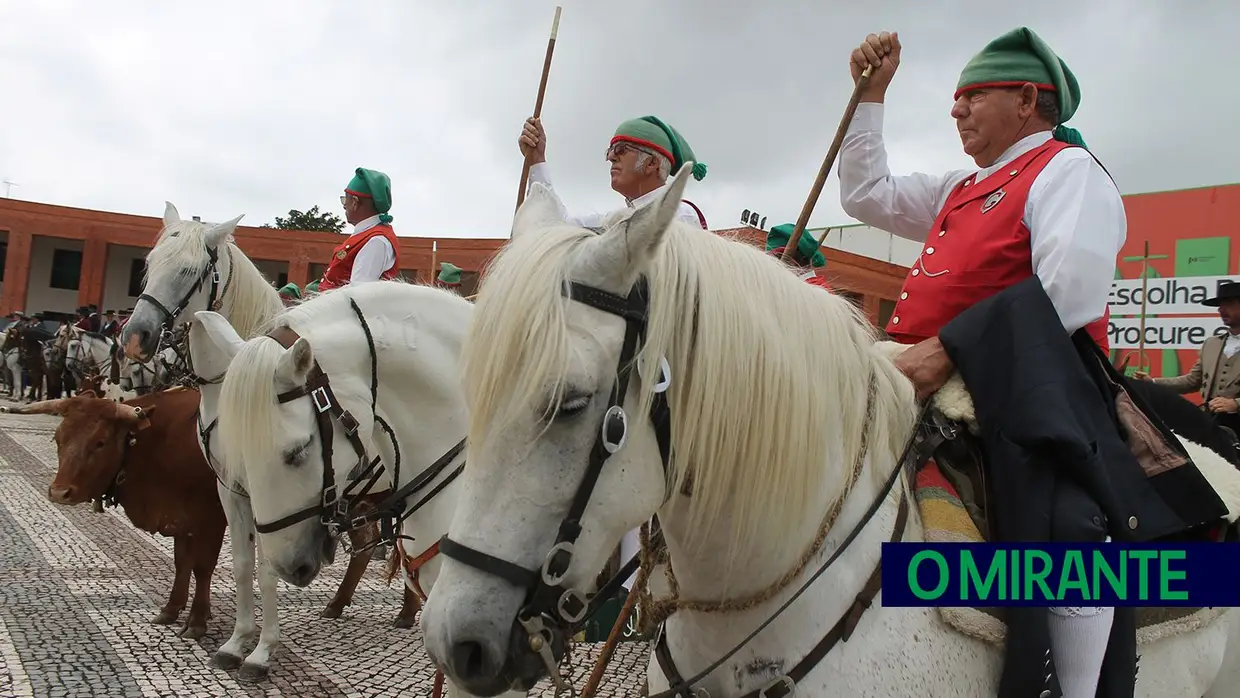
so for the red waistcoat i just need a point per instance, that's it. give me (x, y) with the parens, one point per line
(818, 281)
(977, 247)
(340, 270)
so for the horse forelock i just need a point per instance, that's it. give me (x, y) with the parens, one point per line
(180, 246)
(770, 376)
(247, 408)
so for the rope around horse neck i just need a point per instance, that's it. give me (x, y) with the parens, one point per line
(655, 611)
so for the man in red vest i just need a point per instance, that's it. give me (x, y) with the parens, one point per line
(371, 253)
(806, 258)
(1038, 203)
(449, 275)
(643, 153)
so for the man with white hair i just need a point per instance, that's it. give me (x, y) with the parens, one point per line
(643, 153)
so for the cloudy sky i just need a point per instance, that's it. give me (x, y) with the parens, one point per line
(257, 107)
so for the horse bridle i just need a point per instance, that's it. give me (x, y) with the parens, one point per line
(215, 298)
(333, 508)
(550, 606)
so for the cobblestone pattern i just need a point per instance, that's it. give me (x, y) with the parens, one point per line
(79, 590)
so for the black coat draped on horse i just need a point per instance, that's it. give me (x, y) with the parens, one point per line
(1059, 466)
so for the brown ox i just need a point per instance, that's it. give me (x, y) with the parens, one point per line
(142, 454)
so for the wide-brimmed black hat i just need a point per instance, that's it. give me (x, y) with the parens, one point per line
(1226, 290)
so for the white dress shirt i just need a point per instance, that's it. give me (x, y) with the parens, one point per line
(541, 173)
(375, 257)
(1231, 345)
(1074, 212)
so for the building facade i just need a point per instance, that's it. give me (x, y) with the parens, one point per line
(54, 259)
(1181, 245)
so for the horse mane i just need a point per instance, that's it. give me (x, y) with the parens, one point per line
(182, 248)
(770, 375)
(253, 301)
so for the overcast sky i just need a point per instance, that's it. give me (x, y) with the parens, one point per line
(260, 106)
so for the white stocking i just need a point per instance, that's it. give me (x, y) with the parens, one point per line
(1079, 638)
(1078, 644)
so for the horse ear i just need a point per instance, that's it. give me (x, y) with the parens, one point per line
(222, 343)
(627, 246)
(295, 363)
(541, 209)
(220, 232)
(171, 217)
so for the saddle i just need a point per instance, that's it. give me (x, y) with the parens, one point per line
(952, 495)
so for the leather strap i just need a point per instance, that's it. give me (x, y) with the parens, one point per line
(785, 685)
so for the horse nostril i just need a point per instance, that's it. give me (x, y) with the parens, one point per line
(470, 660)
(59, 494)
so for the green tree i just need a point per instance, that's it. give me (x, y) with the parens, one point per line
(308, 220)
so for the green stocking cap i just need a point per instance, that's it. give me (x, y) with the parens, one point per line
(653, 133)
(1021, 56)
(449, 274)
(373, 184)
(807, 248)
(290, 290)
(312, 287)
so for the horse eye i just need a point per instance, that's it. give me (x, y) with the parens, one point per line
(571, 406)
(296, 456)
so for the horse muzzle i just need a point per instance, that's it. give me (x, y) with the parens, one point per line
(484, 668)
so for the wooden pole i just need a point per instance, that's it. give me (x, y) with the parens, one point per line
(609, 648)
(542, 90)
(434, 261)
(827, 163)
(1145, 284)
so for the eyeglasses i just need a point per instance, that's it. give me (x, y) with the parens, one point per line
(344, 200)
(619, 149)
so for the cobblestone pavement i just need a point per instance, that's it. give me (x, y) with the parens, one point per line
(78, 589)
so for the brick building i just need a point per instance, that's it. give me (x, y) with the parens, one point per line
(57, 258)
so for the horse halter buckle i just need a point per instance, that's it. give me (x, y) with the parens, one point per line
(322, 401)
(781, 687)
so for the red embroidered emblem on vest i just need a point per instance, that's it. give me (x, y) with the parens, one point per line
(993, 200)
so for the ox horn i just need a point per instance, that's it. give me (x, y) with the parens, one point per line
(129, 413)
(42, 407)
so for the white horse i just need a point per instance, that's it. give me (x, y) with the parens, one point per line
(771, 382)
(142, 376)
(180, 270)
(90, 353)
(182, 273)
(274, 447)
